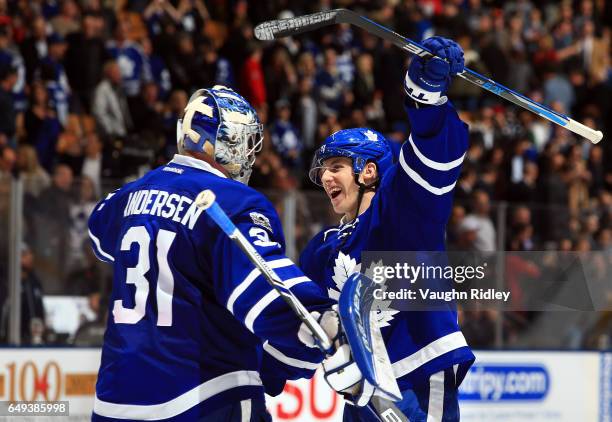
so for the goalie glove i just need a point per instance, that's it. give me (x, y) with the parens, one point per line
(343, 375)
(428, 79)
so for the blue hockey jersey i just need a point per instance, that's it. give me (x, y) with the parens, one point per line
(189, 313)
(409, 212)
(132, 63)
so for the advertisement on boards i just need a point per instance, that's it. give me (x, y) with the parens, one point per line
(501, 386)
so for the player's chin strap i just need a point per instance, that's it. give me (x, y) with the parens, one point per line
(363, 188)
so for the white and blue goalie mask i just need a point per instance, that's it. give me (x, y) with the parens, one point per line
(222, 124)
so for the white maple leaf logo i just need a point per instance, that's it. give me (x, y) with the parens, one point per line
(371, 136)
(343, 268)
(384, 313)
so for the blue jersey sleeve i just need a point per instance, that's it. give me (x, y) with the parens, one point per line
(430, 160)
(100, 228)
(248, 295)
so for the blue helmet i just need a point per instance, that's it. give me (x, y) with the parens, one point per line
(222, 124)
(361, 145)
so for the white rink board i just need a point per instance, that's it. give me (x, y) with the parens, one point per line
(575, 387)
(305, 401)
(60, 374)
(569, 390)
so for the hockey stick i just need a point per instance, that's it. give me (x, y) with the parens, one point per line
(206, 201)
(385, 409)
(274, 29)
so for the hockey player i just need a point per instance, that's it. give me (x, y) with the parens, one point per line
(401, 207)
(190, 315)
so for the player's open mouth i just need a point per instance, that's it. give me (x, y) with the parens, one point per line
(334, 192)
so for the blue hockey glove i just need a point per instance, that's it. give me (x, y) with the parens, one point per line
(428, 79)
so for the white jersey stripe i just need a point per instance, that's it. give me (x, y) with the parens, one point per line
(100, 253)
(435, 407)
(258, 308)
(436, 165)
(428, 353)
(245, 410)
(249, 279)
(422, 182)
(287, 360)
(179, 404)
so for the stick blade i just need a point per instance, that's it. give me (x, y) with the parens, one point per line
(279, 28)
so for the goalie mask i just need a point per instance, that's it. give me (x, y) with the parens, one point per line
(361, 145)
(222, 124)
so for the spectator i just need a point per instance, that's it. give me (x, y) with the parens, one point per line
(85, 59)
(34, 48)
(557, 88)
(91, 333)
(454, 222)
(11, 58)
(35, 178)
(8, 114)
(329, 85)
(8, 159)
(110, 107)
(176, 105)
(466, 184)
(80, 209)
(49, 228)
(67, 21)
(364, 81)
(525, 191)
(553, 195)
(130, 58)
(217, 70)
(252, 77)
(157, 13)
(53, 73)
(285, 138)
(280, 76)
(92, 162)
(307, 113)
(184, 70)
(192, 14)
(306, 66)
(480, 220)
(32, 308)
(596, 169)
(159, 71)
(42, 126)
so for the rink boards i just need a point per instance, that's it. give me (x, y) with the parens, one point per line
(501, 386)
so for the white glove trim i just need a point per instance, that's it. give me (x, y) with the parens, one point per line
(341, 372)
(422, 96)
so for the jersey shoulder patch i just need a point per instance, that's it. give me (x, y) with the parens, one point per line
(261, 220)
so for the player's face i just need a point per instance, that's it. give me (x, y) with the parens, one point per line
(338, 180)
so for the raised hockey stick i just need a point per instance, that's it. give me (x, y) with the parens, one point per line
(274, 29)
(385, 410)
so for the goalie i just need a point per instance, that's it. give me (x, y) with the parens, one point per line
(190, 315)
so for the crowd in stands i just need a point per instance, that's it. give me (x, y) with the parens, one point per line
(91, 90)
